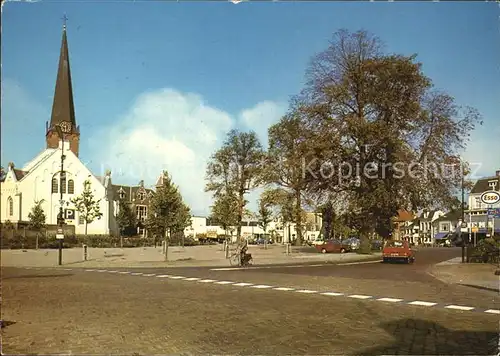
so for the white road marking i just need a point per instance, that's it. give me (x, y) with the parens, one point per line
(192, 279)
(101, 270)
(360, 296)
(458, 307)
(163, 276)
(207, 280)
(306, 291)
(391, 300)
(148, 275)
(136, 273)
(284, 288)
(176, 277)
(113, 271)
(261, 286)
(124, 272)
(89, 270)
(357, 263)
(492, 311)
(425, 304)
(243, 284)
(333, 294)
(224, 282)
(68, 269)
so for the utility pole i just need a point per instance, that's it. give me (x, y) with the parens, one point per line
(463, 212)
(60, 216)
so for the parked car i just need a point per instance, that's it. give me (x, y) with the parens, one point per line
(333, 245)
(398, 251)
(353, 243)
(377, 244)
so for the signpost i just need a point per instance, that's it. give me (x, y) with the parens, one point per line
(491, 197)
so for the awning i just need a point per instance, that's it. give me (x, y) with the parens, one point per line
(440, 235)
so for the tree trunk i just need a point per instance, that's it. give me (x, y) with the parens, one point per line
(240, 215)
(37, 234)
(298, 218)
(86, 224)
(121, 240)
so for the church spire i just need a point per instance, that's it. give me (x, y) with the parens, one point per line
(63, 109)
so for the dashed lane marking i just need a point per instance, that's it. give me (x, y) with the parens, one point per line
(326, 263)
(358, 263)
(303, 291)
(360, 296)
(391, 300)
(332, 294)
(458, 307)
(492, 311)
(306, 291)
(421, 303)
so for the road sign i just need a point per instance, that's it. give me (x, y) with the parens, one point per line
(70, 214)
(475, 229)
(60, 236)
(493, 213)
(490, 197)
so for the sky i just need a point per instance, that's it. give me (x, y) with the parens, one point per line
(157, 85)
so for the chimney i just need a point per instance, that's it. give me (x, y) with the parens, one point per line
(497, 173)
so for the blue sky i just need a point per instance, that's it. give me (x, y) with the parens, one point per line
(160, 83)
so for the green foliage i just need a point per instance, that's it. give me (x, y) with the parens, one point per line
(264, 215)
(486, 251)
(167, 210)
(37, 216)
(86, 204)
(225, 209)
(234, 170)
(390, 140)
(126, 218)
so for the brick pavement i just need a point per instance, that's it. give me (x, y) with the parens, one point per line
(63, 311)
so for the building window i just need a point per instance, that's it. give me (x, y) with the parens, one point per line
(121, 194)
(71, 186)
(54, 186)
(81, 219)
(142, 212)
(63, 185)
(141, 196)
(10, 204)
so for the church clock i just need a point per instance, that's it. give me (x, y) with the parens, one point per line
(65, 126)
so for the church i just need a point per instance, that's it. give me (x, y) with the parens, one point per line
(40, 180)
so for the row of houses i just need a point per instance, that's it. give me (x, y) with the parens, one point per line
(478, 219)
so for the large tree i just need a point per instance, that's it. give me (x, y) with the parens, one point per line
(225, 210)
(126, 219)
(87, 205)
(264, 214)
(287, 153)
(167, 213)
(236, 168)
(37, 219)
(382, 133)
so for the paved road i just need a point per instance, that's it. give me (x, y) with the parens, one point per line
(77, 311)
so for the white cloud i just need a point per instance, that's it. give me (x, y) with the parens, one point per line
(166, 129)
(483, 151)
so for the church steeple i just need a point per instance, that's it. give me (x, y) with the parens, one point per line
(63, 109)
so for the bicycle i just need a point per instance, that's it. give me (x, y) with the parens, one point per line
(235, 259)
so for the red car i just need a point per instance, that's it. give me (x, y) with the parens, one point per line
(398, 251)
(333, 245)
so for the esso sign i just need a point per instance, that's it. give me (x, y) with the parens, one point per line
(490, 197)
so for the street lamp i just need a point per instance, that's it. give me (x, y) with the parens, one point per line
(60, 216)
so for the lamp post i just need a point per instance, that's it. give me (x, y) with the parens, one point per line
(60, 216)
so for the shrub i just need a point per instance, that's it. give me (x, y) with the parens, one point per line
(486, 251)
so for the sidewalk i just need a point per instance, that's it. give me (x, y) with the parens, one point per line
(479, 275)
(192, 256)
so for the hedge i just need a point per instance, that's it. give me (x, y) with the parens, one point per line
(486, 251)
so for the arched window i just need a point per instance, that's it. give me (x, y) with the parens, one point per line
(71, 186)
(63, 185)
(54, 185)
(10, 204)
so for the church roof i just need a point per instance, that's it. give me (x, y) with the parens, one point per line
(131, 193)
(63, 107)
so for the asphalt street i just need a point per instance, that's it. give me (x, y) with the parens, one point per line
(358, 309)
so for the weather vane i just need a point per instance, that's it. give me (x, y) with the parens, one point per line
(64, 18)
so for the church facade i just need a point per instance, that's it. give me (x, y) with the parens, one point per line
(40, 180)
